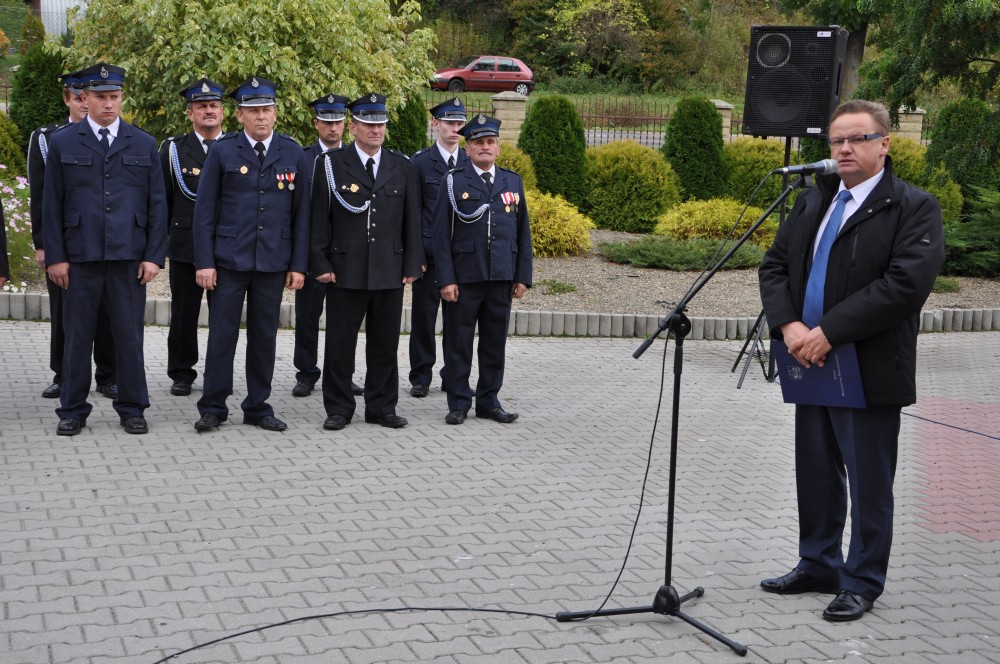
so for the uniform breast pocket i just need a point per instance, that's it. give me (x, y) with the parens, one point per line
(76, 169)
(136, 169)
(238, 177)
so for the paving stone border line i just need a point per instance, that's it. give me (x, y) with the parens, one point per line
(35, 306)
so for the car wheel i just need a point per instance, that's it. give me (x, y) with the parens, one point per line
(456, 85)
(522, 89)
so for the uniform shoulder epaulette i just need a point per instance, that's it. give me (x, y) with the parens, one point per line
(397, 152)
(171, 139)
(457, 169)
(50, 128)
(59, 128)
(289, 138)
(420, 152)
(508, 170)
(227, 136)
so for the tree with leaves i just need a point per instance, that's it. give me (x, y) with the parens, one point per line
(305, 46)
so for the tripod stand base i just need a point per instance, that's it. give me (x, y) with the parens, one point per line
(667, 603)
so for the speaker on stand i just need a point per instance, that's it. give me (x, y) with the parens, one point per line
(793, 86)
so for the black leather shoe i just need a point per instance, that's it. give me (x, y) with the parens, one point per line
(389, 420)
(70, 426)
(267, 422)
(497, 415)
(847, 606)
(335, 423)
(135, 425)
(356, 389)
(302, 389)
(455, 417)
(110, 390)
(180, 388)
(208, 421)
(52, 391)
(419, 391)
(796, 582)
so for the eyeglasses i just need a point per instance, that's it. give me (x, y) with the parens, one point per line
(853, 140)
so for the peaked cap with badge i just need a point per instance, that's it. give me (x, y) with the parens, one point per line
(203, 90)
(369, 108)
(452, 110)
(330, 107)
(255, 91)
(480, 126)
(101, 77)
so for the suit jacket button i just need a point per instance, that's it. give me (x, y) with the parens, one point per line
(260, 228)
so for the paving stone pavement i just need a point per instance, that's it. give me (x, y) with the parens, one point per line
(118, 548)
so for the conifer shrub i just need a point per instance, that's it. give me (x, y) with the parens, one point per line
(628, 186)
(406, 130)
(713, 219)
(748, 160)
(33, 32)
(966, 140)
(971, 247)
(11, 151)
(36, 98)
(557, 228)
(693, 146)
(909, 164)
(553, 136)
(667, 253)
(812, 150)
(515, 159)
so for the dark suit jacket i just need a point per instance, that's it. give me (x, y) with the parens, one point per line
(36, 178)
(431, 172)
(495, 247)
(243, 219)
(180, 207)
(373, 250)
(104, 207)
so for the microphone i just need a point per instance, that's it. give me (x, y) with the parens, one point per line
(825, 167)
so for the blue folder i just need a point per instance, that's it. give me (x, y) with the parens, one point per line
(836, 383)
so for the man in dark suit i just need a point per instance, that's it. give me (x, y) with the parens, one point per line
(251, 240)
(432, 165)
(482, 246)
(105, 239)
(330, 112)
(366, 246)
(182, 159)
(104, 347)
(853, 263)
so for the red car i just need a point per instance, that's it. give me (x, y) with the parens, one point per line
(489, 73)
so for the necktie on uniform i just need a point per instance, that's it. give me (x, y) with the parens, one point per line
(207, 143)
(260, 152)
(105, 141)
(370, 167)
(812, 307)
(487, 178)
(451, 163)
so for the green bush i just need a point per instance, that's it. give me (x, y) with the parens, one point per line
(33, 32)
(748, 160)
(552, 135)
(669, 253)
(515, 159)
(628, 186)
(557, 228)
(812, 150)
(909, 164)
(713, 220)
(14, 198)
(406, 130)
(693, 146)
(11, 152)
(37, 92)
(12, 15)
(971, 248)
(965, 139)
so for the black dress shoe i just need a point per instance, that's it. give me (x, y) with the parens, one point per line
(135, 425)
(847, 606)
(267, 422)
(356, 389)
(497, 415)
(70, 426)
(335, 423)
(110, 390)
(208, 421)
(389, 420)
(419, 391)
(302, 389)
(52, 391)
(180, 388)
(455, 417)
(796, 582)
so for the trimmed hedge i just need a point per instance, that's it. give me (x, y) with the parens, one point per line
(693, 146)
(36, 98)
(552, 135)
(12, 153)
(557, 228)
(966, 140)
(628, 186)
(748, 160)
(406, 130)
(515, 159)
(713, 219)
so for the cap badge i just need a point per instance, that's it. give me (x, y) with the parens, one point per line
(205, 88)
(374, 98)
(254, 82)
(104, 72)
(329, 99)
(457, 102)
(481, 119)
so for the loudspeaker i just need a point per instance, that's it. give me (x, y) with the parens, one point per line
(793, 79)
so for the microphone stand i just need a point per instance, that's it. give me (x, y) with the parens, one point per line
(667, 601)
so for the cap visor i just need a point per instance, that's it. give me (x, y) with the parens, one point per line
(371, 118)
(330, 117)
(263, 101)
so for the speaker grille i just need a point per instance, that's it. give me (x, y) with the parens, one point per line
(793, 79)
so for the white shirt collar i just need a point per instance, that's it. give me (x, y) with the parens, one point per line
(862, 190)
(445, 154)
(492, 172)
(326, 148)
(112, 128)
(364, 156)
(266, 141)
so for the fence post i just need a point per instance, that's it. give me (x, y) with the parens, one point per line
(510, 108)
(911, 122)
(725, 110)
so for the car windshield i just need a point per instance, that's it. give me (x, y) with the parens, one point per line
(465, 64)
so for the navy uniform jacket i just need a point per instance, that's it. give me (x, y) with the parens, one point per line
(36, 178)
(243, 221)
(180, 207)
(497, 246)
(431, 171)
(375, 249)
(104, 207)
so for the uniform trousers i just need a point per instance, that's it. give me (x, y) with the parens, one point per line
(423, 321)
(115, 284)
(836, 450)
(262, 293)
(308, 310)
(185, 308)
(486, 303)
(382, 311)
(104, 345)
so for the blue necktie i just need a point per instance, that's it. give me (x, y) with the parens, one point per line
(105, 141)
(812, 307)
